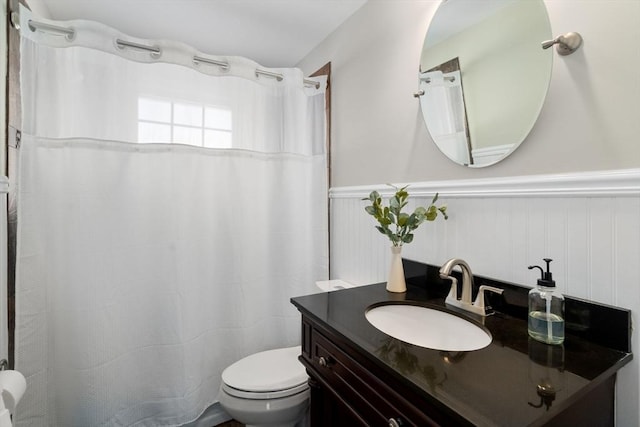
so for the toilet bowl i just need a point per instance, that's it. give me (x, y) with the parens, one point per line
(266, 389)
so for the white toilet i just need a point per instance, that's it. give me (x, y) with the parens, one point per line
(266, 389)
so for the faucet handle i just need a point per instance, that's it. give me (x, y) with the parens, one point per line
(479, 302)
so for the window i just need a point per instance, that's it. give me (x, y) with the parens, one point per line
(169, 122)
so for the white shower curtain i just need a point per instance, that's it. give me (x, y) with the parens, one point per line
(443, 107)
(145, 269)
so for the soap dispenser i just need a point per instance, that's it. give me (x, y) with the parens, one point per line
(546, 309)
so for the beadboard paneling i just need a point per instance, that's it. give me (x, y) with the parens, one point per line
(594, 242)
(588, 224)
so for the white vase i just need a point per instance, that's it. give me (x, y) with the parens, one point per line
(396, 282)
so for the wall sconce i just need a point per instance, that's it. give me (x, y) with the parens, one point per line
(566, 43)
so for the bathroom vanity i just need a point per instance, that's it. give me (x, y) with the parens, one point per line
(360, 376)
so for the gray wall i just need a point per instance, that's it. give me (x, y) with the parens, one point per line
(590, 120)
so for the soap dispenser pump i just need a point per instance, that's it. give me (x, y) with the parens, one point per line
(546, 309)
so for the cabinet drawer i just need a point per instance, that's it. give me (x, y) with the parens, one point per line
(362, 391)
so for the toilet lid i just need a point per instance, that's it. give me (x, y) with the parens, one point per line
(267, 371)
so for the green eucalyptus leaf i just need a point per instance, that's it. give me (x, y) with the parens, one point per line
(394, 202)
(432, 213)
(419, 219)
(420, 210)
(403, 224)
(402, 219)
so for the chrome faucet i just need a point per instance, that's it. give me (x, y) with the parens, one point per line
(467, 279)
(477, 306)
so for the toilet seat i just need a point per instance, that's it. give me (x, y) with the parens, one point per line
(264, 395)
(269, 374)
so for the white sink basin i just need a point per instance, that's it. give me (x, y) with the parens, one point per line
(426, 327)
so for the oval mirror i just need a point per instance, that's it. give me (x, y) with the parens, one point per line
(484, 76)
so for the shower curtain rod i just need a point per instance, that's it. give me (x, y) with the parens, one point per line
(34, 25)
(197, 59)
(447, 78)
(155, 50)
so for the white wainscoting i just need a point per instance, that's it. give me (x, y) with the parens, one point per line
(588, 223)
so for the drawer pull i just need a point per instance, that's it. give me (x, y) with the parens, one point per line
(394, 423)
(325, 362)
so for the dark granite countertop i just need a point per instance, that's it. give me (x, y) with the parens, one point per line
(496, 385)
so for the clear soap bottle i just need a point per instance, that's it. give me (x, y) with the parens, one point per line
(546, 309)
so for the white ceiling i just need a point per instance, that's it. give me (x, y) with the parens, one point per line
(274, 33)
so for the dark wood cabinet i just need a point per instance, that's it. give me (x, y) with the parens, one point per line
(347, 390)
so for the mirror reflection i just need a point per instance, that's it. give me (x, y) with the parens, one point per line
(484, 76)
